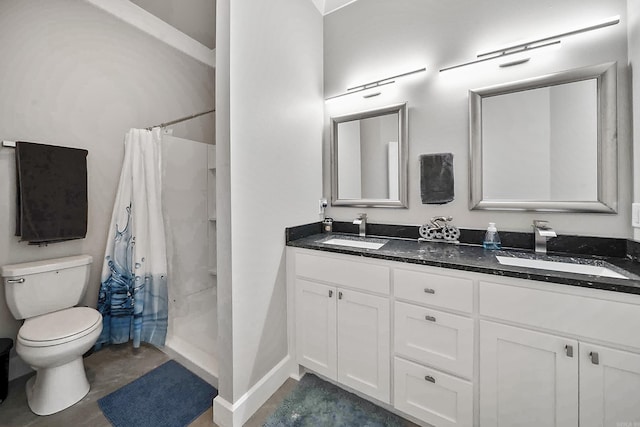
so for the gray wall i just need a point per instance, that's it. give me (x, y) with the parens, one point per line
(372, 39)
(74, 75)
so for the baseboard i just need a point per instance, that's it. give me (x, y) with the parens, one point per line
(226, 414)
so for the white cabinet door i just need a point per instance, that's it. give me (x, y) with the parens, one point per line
(316, 327)
(527, 378)
(363, 343)
(609, 387)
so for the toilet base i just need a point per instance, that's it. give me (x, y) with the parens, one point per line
(55, 389)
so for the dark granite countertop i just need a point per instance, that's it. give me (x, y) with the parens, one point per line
(475, 258)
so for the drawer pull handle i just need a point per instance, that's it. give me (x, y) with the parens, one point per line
(20, 280)
(429, 291)
(339, 295)
(330, 293)
(568, 349)
(430, 379)
(430, 318)
(595, 359)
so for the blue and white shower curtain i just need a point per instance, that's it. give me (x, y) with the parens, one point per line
(133, 290)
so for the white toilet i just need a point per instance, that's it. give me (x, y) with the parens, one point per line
(55, 334)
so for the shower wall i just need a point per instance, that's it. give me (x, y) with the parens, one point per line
(188, 188)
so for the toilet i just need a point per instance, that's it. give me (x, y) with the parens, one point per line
(55, 333)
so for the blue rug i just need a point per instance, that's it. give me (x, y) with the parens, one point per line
(168, 396)
(317, 403)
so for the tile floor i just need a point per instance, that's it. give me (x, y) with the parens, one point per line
(108, 370)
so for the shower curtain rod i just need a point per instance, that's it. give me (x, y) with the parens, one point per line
(12, 144)
(182, 119)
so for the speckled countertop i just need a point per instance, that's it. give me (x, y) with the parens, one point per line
(477, 259)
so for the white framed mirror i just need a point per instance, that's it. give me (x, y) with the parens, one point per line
(369, 158)
(546, 144)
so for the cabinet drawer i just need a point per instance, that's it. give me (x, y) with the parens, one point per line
(434, 289)
(345, 272)
(437, 339)
(431, 396)
(586, 317)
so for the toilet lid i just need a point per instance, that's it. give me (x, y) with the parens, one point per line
(60, 326)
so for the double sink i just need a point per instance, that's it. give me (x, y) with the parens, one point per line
(560, 264)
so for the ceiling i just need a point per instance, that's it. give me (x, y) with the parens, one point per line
(188, 25)
(327, 6)
(195, 18)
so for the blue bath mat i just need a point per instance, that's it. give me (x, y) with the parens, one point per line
(317, 403)
(170, 395)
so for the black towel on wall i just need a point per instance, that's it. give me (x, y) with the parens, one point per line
(51, 193)
(436, 178)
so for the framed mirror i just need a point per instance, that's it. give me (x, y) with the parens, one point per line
(546, 144)
(369, 158)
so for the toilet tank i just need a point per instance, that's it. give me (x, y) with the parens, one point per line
(40, 287)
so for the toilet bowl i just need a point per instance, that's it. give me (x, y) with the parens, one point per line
(55, 333)
(53, 345)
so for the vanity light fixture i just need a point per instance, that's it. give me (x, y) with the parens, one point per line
(532, 45)
(374, 84)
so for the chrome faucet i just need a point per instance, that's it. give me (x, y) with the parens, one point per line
(361, 220)
(542, 231)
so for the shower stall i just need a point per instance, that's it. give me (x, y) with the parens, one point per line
(190, 225)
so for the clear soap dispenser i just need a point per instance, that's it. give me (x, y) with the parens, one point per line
(491, 237)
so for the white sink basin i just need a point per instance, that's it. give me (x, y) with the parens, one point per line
(364, 244)
(568, 267)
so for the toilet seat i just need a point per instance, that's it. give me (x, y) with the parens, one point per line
(59, 327)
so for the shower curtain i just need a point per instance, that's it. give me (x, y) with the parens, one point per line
(133, 290)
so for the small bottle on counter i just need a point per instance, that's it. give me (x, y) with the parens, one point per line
(327, 225)
(491, 237)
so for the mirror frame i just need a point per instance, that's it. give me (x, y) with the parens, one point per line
(606, 77)
(401, 110)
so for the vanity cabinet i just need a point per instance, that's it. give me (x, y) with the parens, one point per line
(534, 378)
(455, 348)
(341, 332)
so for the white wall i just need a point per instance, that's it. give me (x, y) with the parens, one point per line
(634, 62)
(273, 176)
(74, 75)
(223, 197)
(372, 39)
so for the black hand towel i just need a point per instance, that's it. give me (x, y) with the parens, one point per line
(51, 193)
(436, 178)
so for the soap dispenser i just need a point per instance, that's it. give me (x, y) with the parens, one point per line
(491, 237)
